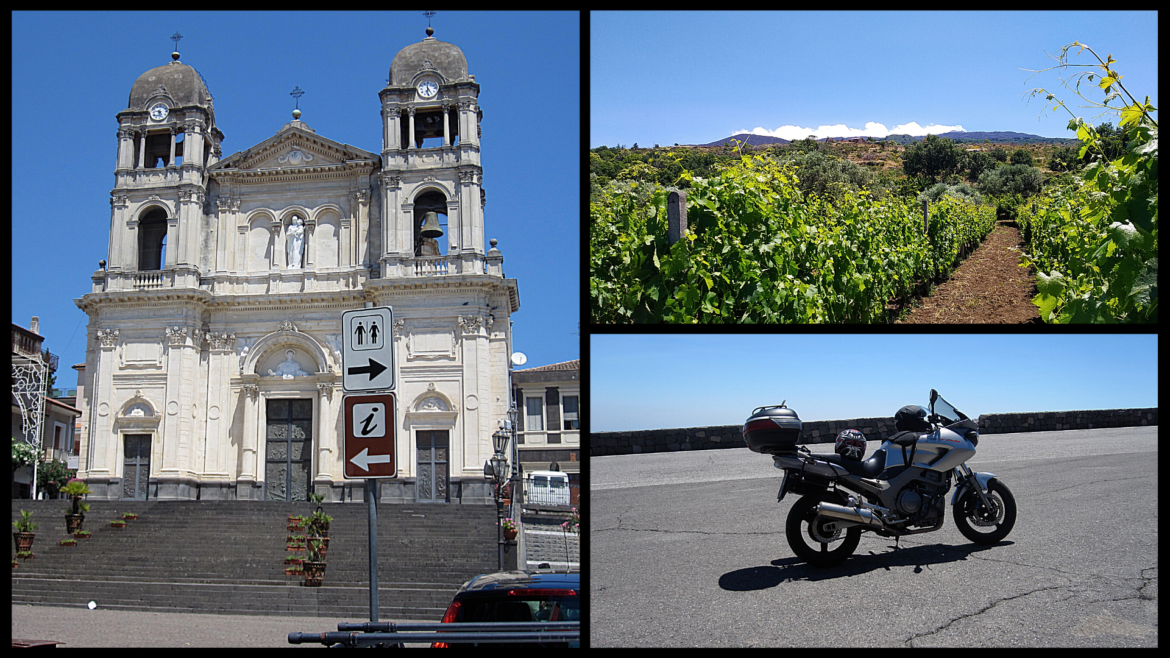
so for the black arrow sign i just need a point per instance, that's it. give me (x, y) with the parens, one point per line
(374, 369)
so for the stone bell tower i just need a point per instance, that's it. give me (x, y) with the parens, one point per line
(430, 155)
(166, 140)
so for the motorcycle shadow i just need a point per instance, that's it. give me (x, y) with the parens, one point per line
(792, 568)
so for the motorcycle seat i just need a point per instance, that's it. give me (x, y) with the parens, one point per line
(869, 468)
(906, 439)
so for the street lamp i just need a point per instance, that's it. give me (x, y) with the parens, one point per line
(496, 470)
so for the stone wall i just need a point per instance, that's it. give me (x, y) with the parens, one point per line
(875, 429)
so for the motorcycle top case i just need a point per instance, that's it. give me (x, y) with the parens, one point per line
(772, 430)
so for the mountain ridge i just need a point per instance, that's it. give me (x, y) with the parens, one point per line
(995, 136)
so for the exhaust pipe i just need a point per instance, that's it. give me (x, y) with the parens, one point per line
(855, 514)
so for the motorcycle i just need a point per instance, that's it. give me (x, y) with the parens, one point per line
(900, 490)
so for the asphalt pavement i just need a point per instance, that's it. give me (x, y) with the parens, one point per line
(687, 549)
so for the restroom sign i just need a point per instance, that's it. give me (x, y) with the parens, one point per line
(367, 354)
(369, 436)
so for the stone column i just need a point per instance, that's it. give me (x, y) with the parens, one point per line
(220, 359)
(392, 129)
(105, 445)
(246, 479)
(362, 206)
(446, 127)
(125, 148)
(170, 440)
(475, 442)
(410, 134)
(141, 147)
(327, 446)
(174, 132)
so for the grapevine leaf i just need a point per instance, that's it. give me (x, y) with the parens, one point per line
(1145, 289)
(1053, 284)
(1139, 214)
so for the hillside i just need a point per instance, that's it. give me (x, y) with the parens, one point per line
(996, 136)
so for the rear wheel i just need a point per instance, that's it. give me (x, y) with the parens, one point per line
(820, 542)
(984, 525)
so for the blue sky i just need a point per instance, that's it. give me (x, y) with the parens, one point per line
(696, 77)
(660, 381)
(72, 74)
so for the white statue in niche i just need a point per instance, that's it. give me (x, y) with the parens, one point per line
(296, 242)
(288, 368)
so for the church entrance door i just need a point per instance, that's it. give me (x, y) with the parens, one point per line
(290, 449)
(136, 471)
(432, 466)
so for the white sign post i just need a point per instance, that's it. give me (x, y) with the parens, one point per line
(367, 355)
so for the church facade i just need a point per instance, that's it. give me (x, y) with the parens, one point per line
(213, 365)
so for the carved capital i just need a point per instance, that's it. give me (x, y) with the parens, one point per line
(176, 335)
(221, 342)
(108, 337)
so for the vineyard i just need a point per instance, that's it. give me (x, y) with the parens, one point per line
(761, 248)
(758, 250)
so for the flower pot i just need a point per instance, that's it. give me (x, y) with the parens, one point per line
(129, 517)
(117, 524)
(324, 546)
(24, 541)
(73, 522)
(314, 573)
(68, 542)
(510, 534)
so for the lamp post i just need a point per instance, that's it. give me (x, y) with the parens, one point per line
(497, 470)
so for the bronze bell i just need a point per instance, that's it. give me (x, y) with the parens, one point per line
(430, 226)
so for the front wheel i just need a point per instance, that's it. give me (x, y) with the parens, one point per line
(821, 543)
(980, 524)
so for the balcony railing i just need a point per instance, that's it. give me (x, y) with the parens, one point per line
(430, 265)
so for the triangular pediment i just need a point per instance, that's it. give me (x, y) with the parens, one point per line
(293, 148)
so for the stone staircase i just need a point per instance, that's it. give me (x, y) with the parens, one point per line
(227, 557)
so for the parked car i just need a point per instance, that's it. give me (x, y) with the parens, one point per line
(517, 596)
(547, 488)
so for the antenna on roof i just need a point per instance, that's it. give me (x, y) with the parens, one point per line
(430, 30)
(175, 37)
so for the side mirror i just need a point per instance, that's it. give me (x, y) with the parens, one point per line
(933, 397)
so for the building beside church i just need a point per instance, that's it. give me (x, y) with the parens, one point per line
(213, 363)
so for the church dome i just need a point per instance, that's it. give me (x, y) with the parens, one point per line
(430, 54)
(181, 83)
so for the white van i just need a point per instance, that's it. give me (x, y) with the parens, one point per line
(546, 488)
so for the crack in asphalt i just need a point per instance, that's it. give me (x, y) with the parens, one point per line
(1140, 593)
(985, 608)
(1082, 484)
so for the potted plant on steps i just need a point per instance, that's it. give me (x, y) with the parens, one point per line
(317, 526)
(314, 564)
(24, 532)
(75, 489)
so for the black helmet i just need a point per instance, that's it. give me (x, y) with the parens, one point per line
(911, 418)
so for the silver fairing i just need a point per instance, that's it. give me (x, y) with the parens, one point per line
(941, 450)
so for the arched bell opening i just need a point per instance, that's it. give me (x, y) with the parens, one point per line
(430, 224)
(152, 240)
